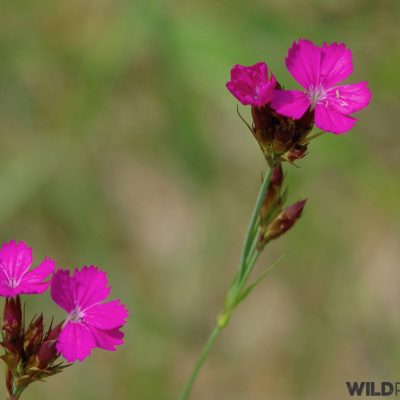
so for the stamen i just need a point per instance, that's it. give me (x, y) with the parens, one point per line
(13, 283)
(76, 315)
(316, 94)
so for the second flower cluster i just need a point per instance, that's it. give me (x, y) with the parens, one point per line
(90, 321)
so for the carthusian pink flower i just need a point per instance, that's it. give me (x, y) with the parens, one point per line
(319, 70)
(90, 322)
(251, 85)
(15, 279)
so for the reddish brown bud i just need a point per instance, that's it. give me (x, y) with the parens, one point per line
(33, 336)
(48, 353)
(284, 221)
(296, 153)
(304, 125)
(294, 211)
(284, 134)
(273, 195)
(12, 325)
(263, 122)
(277, 175)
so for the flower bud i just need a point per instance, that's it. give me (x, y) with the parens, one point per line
(263, 126)
(12, 325)
(277, 176)
(33, 336)
(273, 195)
(48, 353)
(296, 153)
(304, 126)
(284, 135)
(252, 85)
(284, 221)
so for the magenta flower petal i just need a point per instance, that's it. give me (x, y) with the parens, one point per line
(5, 290)
(251, 85)
(291, 103)
(15, 260)
(63, 290)
(90, 323)
(107, 315)
(107, 340)
(33, 281)
(303, 62)
(91, 286)
(348, 99)
(75, 342)
(317, 69)
(330, 120)
(336, 63)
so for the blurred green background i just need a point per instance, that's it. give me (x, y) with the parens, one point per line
(121, 147)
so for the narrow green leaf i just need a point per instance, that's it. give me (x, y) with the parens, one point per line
(248, 290)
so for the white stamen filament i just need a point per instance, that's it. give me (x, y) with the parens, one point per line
(13, 283)
(76, 315)
(316, 94)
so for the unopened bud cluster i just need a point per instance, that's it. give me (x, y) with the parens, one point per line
(29, 353)
(280, 138)
(274, 219)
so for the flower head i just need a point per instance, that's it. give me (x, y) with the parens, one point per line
(251, 85)
(318, 70)
(15, 279)
(90, 322)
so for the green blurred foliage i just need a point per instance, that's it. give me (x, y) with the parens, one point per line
(121, 147)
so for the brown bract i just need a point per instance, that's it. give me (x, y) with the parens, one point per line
(281, 138)
(30, 354)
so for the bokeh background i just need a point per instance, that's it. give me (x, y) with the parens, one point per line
(121, 147)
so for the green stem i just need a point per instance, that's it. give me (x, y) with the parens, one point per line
(249, 238)
(199, 363)
(250, 265)
(247, 259)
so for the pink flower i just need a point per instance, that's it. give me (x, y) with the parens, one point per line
(90, 322)
(318, 70)
(251, 85)
(15, 279)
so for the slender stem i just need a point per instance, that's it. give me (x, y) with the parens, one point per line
(199, 363)
(250, 265)
(247, 259)
(249, 238)
(253, 249)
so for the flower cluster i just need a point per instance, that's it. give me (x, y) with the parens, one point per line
(282, 125)
(282, 119)
(31, 353)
